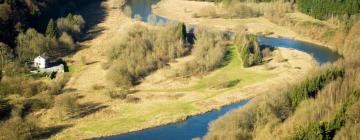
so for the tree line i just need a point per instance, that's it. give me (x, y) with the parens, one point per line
(17, 15)
(323, 9)
(58, 40)
(143, 50)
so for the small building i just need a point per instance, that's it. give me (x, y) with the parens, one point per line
(48, 66)
(41, 62)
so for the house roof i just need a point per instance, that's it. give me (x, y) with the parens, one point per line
(45, 56)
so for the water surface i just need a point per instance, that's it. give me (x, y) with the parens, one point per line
(196, 126)
(143, 8)
(321, 54)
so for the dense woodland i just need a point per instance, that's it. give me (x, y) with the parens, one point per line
(323, 9)
(18, 15)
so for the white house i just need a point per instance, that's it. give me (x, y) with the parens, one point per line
(40, 62)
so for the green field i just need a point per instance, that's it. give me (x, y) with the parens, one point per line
(232, 71)
(139, 115)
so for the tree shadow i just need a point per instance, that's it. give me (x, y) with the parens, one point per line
(89, 108)
(93, 13)
(228, 56)
(93, 62)
(5, 109)
(190, 36)
(46, 133)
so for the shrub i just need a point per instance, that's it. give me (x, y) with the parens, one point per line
(4, 55)
(266, 52)
(55, 88)
(97, 87)
(239, 10)
(142, 51)
(66, 106)
(117, 94)
(72, 24)
(132, 99)
(120, 76)
(66, 41)
(209, 52)
(17, 129)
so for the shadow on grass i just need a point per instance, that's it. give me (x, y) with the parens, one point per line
(93, 13)
(227, 84)
(228, 56)
(89, 108)
(46, 133)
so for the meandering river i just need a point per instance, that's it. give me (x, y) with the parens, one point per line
(197, 126)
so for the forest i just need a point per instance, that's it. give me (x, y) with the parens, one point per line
(16, 16)
(323, 9)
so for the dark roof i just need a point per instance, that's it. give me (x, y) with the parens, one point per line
(45, 56)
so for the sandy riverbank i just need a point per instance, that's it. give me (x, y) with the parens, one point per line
(183, 10)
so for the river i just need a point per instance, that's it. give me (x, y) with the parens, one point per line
(197, 126)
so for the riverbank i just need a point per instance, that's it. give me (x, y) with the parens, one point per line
(159, 103)
(183, 11)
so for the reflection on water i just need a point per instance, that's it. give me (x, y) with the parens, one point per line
(321, 54)
(142, 9)
(193, 127)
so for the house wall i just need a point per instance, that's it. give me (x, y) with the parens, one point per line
(40, 62)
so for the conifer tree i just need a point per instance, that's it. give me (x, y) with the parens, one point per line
(181, 31)
(245, 54)
(50, 30)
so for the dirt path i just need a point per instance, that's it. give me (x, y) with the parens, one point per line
(94, 52)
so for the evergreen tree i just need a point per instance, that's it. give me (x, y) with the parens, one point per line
(50, 30)
(181, 31)
(4, 54)
(245, 54)
(322, 9)
(257, 53)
